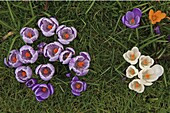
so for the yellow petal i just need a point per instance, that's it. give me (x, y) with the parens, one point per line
(151, 12)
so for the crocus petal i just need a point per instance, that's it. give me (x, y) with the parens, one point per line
(60, 28)
(22, 30)
(35, 87)
(40, 22)
(131, 71)
(137, 12)
(75, 78)
(74, 31)
(63, 41)
(75, 93)
(55, 21)
(137, 20)
(139, 88)
(68, 74)
(51, 88)
(37, 69)
(84, 86)
(39, 98)
(158, 69)
(123, 19)
(151, 12)
(85, 55)
(129, 15)
(131, 26)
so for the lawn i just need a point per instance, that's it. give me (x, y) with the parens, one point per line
(101, 34)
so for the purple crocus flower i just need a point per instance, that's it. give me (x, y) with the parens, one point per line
(13, 59)
(46, 71)
(77, 86)
(132, 18)
(80, 64)
(66, 34)
(31, 82)
(157, 30)
(43, 91)
(23, 73)
(66, 55)
(29, 35)
(28, 54)
(41, 47)
(53, 50)
(48, 26)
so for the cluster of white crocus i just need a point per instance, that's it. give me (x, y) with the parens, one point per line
(148, 73)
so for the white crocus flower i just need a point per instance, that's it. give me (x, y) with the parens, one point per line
(137, 85)
(149, 75)
(132, 56)
(145, 62)
(131, 71)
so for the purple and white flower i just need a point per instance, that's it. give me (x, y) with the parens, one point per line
(46, 71)
(77, 86)
(31, 82)
(132, 18)
(41, 47)
(80, 64)
(66, 55)
(43, 91)
(29, 35)
(13, 59)
(66, 34)
(48, 26)
(53, 50)
(23, 73)
(28, 54)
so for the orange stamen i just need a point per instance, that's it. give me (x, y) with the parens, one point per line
(78, 86)
(14, 59)
(49, 26)
(66, 36)
(45, 71)
(44, 89)
(23, 73)
(55, 50)
(132, 71)
(145, 62)
(80, 64)
(154, 17)
(132, 56)
(27, 54)
(147, 76)
(137, 85)
(132, 21)
(29, 34)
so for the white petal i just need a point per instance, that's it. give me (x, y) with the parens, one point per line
(148, 58)
(158, 69)
(128, 74)
(140, 89)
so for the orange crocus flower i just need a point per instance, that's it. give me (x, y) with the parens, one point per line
(156, 17)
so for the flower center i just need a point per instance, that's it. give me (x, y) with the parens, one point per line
(145, 62)
(23, 73)
(147, 76)
(65, 56)
(49, 26)
(27, 55)
(29, 34)
(80, 64)
(14, 59)
(132, 21)
(132, 71)
(132, 56)
(78, 85)
(44, 89)
(154, 17)
(66, 36)
(55, 50)
(45, 71)
(137, 85)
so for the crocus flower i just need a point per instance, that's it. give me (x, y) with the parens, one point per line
(46, 71)
(66, 34)
(13, 59)
(48, 26)
(66, 55)
(53, 50)
(157, 30)
(131, 71)
(31, 82)
(149, 75)
(156, 17)
(68, 75)
(23, 73)
(43, 91)
(145, 62)
(29, 35)
(28, 54)
(132, 56)
(80, 64)
(132, 18)
(41, 47)
(137, 85)
(77, 86)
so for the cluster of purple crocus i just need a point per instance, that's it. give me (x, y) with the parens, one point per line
(54, 51)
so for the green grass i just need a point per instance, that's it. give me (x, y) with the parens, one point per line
(102, 34)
